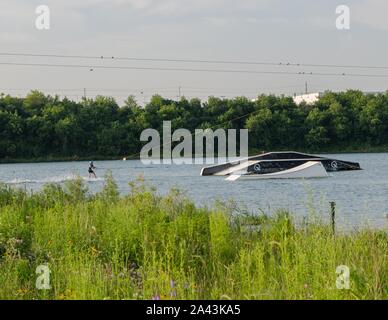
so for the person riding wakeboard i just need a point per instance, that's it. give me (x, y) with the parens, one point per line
(91, 170)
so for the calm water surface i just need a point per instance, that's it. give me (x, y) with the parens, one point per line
(361, 196)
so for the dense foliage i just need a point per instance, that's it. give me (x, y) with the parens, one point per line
(144, 246)
(40, 126)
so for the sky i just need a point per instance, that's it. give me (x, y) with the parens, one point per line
(273, 31)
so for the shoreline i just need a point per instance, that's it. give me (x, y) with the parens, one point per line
(383, 149)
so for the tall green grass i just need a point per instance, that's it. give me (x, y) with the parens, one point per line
(144, 246)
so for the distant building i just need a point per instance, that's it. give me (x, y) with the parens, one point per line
(309, 98)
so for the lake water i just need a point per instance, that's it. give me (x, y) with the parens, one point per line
(361, 196)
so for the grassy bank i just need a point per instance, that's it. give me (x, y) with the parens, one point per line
(143, 246)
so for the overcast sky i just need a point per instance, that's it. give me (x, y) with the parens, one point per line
(298, 31)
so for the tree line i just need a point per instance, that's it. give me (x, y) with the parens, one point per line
(49, 127)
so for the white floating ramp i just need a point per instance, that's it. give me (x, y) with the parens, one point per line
(310, 169)
(272, 162)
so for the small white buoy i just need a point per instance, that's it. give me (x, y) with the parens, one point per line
(124, 159)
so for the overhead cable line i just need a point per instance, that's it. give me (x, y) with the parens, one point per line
(236, 62)
(92, 67)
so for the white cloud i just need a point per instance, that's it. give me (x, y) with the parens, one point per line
(169, 7)
(16, 38)
(373, 13)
